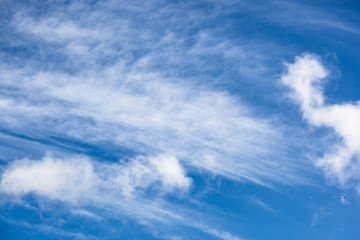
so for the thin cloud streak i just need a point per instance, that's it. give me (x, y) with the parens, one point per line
(302, 15)
(261, 204)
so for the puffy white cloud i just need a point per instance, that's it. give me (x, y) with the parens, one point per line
(74, 179)
(305, 77)
(171, 173)
(98, 190)
(65, 180)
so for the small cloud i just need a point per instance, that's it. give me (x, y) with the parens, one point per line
(343, 201)
(85, 213)
(170, 171)
(261, 204)
(314, 219)
(58, 179)
(321, 214)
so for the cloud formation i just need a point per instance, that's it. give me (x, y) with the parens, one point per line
(143, 100)
(76, 179)
(305, 77)
(112, 190)
(100, 191)
(148, 113)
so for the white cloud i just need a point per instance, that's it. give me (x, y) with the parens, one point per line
(47, 229)
(261, 204)
(52, 29)
(342, 162)
(138, 83)
(216, 233)
(206, 129)
(343, 201)
(53, 178)
(75, 179)
(170, 171)
(86, 214)
(291, 13)
(100, 191)
(319, 215)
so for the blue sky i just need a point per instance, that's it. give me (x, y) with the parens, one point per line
(179, 120)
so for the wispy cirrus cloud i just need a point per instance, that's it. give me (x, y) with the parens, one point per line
(47, 229)
(135, 104)
(261, 204)
(305, 15)
(149, 114)
(118, 75)
(302, 15)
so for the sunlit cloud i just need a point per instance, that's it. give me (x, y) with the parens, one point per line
(305, 77)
